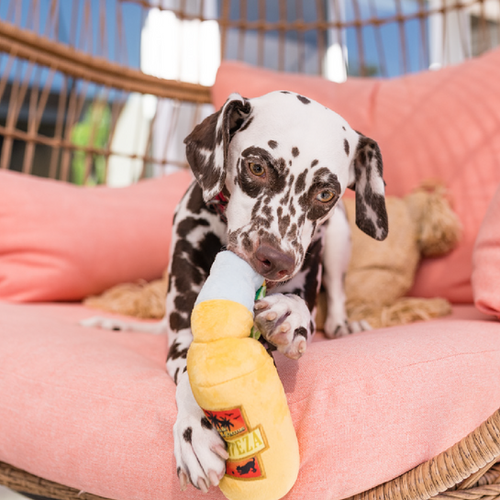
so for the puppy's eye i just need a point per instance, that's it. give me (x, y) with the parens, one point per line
(256, 169)
(325, 196)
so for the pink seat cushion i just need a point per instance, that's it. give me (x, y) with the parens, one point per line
(63, 242)
(94, 409)
(486, 274)
(442, 125)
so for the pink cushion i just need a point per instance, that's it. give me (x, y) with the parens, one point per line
(62, 242)
(441, 124)
(486, 261)
(94, 409)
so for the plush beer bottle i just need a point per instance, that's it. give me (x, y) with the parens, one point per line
(235, 381)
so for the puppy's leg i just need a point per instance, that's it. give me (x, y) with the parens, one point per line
(199, 451)
(197, 237)
(336, 256)
(285, 319)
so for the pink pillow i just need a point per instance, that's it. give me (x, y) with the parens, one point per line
(486, 261)
(94, 409)
(62, 242)
(442, 125)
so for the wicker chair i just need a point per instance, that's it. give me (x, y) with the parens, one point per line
(50, 80)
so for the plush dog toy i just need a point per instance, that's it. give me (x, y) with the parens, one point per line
(235, 382)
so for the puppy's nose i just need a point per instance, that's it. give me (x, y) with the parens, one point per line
(272, 263)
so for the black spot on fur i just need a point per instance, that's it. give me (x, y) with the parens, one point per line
(206, 423)
(285, 92)
(175, 353)
(187, 225)
(300, 185)
(188, 435)
(268, 213)
(314, 163)
(247, 242)
(232, 237)
(280, 165)
(178, 322)
(286, 198)
(195, 203)
(272, 144)
(312, 263)
(184, 302)
(303, 100)
(295, 152)
(256, 208)
(184, 274)
(343, 127)
(347, 148)
(300, 331)
(283, 225)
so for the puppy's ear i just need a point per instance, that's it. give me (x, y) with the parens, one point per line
(365, 176)
(207, 145)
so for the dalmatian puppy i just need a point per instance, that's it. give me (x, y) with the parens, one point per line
(270, 173)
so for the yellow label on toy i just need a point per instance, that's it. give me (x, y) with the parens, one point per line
(244, 444)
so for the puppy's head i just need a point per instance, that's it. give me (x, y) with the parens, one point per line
(284, 161)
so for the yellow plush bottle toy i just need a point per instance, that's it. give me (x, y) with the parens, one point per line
(235, 381)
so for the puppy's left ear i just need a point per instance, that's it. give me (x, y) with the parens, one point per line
(207, 145)
(365, 176)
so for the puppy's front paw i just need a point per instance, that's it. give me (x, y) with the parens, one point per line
(335, 329)
(284, 321)
(199, 451)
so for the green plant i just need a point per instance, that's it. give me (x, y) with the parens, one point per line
(92, 131)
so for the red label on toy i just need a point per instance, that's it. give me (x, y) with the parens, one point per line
(244, 444)
(228, 423)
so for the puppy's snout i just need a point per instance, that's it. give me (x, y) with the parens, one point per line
(272, 263)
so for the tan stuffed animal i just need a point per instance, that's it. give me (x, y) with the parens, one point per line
(142, 300)
(380, 273)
